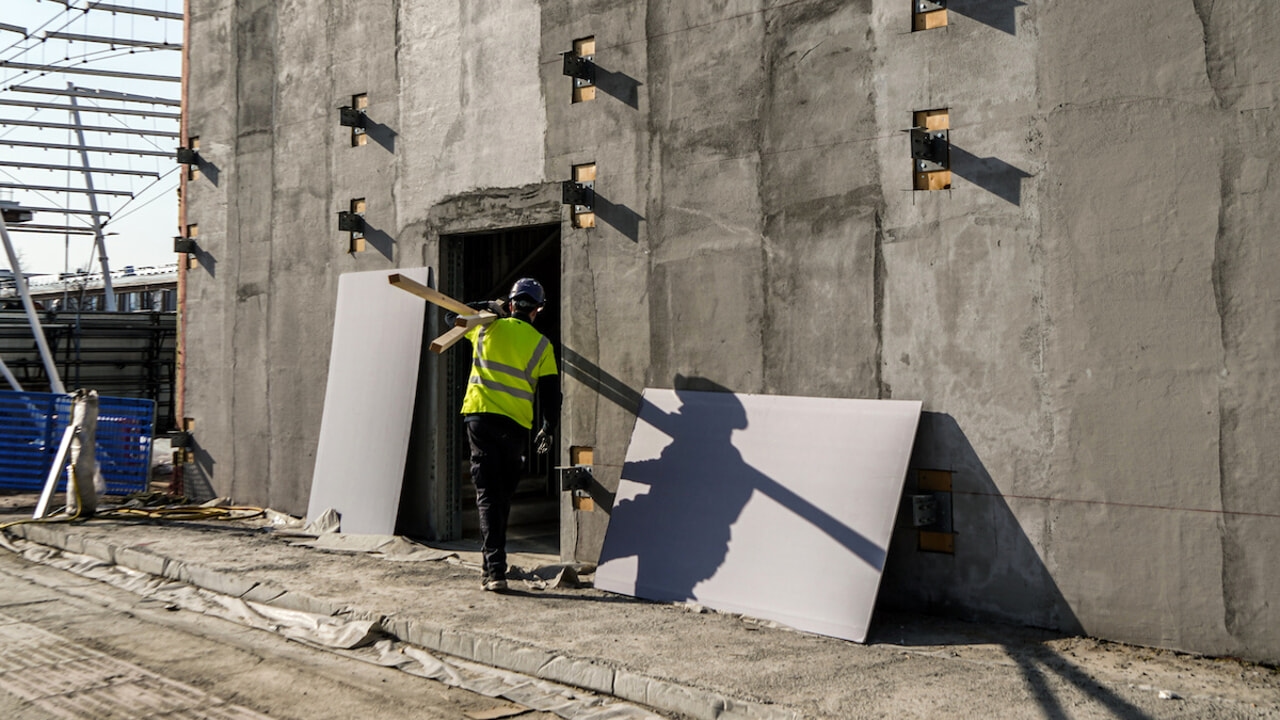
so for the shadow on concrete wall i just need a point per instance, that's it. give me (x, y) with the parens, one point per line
(619, 217)
(618, 85)
(608, 387)
(380, 241)
(207, 262)
(195, 477)
(995, 574)
(208, 169)
(599, 381)
(999, 14)
(381, 134)
(991, 174)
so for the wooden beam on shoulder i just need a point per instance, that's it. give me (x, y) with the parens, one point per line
(448, 340)
(434, 297)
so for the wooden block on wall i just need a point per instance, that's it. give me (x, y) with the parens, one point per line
(939, 542)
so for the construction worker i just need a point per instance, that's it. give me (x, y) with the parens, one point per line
(511, 364)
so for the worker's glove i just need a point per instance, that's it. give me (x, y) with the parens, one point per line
(493, 306)
(542, 441)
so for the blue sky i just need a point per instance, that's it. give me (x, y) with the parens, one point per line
(141, 228)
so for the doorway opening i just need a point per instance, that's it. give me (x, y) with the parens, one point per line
(484, 266)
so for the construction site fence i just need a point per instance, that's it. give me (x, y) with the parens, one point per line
(32, 425)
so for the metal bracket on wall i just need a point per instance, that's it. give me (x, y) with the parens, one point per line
(575, 478)
(924, 6)
(581, 195)
(580, 67)
(184, 245)
(931, 511)
(930, 149)
(351, 117)
(188, 156)
(350, 222)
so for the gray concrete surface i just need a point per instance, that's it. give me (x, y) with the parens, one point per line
(79, 648)
(682, 662)
(1087, 313)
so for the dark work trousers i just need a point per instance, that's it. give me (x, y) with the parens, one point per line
(497, 442)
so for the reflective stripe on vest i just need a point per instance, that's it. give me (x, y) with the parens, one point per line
(525, 374)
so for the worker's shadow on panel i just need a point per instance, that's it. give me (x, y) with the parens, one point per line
(991, 174)
(999, 14)
(697, 489)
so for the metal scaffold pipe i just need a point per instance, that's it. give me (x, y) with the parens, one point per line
(20, 280)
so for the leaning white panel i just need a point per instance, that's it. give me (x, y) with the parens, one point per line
(368, 401)
(771, 506)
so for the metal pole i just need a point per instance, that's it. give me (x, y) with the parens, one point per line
(13, 381)
(108, 294)
(55, 382)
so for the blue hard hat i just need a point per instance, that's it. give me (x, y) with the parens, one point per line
(528, 288)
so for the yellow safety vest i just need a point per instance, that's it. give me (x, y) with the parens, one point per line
(507, 358)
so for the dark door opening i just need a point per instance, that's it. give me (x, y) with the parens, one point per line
(483, 266)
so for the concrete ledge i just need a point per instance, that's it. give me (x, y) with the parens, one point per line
(695, 703)
(519, 658)
(142, 561)
(579, 673)
(100, 550)
(45, 534)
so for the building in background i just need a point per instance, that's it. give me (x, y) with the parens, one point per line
(1048, 221)
(126, 353)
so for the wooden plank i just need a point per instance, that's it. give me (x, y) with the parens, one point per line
(939, 119)
(933, 480)
(930, 20)
(470, 321)
(937, 180)
(448, 340)
(939, 542)
(432, 296)
(582, 455)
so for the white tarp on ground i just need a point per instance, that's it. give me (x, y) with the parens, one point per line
(368, 401)
(770, 506)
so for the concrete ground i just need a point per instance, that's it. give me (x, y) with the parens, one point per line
(679, 660)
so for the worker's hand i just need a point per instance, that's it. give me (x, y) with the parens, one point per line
(493, 306)
(542, 441)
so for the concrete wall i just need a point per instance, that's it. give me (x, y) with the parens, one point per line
(1086, 314)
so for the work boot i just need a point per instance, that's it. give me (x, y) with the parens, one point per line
(494, 583)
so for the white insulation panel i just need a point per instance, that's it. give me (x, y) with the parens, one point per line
(368, 401)
(775, 507)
